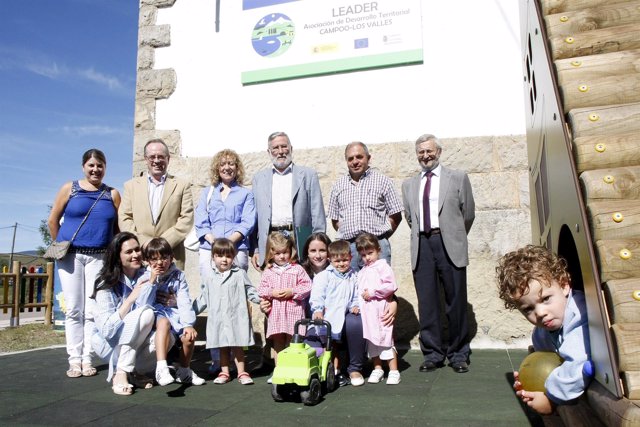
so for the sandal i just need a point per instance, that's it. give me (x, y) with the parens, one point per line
(245, 378)
(88, 370)
(75, 370)
(222, 378)
(121, 388)
(124, 389)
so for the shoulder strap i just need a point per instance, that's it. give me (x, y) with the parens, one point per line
(209, 195)
(87, 215)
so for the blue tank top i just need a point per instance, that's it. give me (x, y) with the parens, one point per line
(97, 231)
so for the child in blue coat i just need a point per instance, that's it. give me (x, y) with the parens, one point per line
(536, 282)
(170, 319)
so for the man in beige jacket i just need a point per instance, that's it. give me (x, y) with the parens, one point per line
(158, 204)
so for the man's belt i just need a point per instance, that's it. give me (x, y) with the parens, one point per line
(430, 233)
(288, 227)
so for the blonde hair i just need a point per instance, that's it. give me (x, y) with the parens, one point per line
(277, 241)
(217, 160)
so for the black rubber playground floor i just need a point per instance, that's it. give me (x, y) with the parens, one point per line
(35, 391)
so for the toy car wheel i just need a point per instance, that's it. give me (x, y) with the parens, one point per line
(330, 384)
(276, 393)
(311, 396)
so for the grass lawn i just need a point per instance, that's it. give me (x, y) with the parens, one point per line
(28, 337)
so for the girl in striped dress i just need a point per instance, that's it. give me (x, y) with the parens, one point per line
(286, 285)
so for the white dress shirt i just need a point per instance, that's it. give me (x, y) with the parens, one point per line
(434, 194)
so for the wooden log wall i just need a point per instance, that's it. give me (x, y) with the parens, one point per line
(595, 48)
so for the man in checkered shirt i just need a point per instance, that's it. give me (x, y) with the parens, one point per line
(364, 200)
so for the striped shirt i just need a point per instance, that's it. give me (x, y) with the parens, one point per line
(363, 205)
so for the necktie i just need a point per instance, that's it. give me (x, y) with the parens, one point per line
(426, 212)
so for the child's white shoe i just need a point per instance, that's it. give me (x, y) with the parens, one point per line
(356, 379)
(163, 376)
(376, 376)
(187, 376)
(393, 378)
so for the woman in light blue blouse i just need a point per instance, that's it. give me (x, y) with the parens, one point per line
(226, 209)
(124, 316)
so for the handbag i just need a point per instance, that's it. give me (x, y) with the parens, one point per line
(58, 250)
(192, 242)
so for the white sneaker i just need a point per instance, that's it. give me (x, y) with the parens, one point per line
(393, 378)
(163, 376)
(376, 376)
(356, 379)
(187, 376)
(270, 379)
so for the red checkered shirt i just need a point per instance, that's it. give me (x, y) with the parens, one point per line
(285, 313)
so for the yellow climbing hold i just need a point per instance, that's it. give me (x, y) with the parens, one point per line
(636, 295)
(594, 117)
(600, 148)
(564, 18)
(617, 217)
(583, 88)
(576, 63)
(569, 40)
(625, 253)
(608, 179)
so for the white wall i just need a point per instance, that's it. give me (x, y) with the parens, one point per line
(470, 84)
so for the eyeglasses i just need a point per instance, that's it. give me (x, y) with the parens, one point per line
(156, 158)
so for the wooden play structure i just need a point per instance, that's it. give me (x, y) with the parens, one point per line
(25, 290)
(581, 65)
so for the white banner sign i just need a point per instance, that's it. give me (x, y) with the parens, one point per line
(300, 38)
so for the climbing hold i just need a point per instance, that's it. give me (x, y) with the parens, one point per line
(594, 117)
(583, 88)
(576, 63)
(636, 295)
(601, 147)
(617, 217)
(569, 40)
(625, 253)
(608, 179)
(564, 18)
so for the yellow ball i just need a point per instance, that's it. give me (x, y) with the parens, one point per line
(536, 367)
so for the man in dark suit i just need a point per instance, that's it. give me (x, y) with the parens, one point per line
(287, 197)
(440, 210)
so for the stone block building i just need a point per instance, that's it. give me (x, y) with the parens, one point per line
(497, 167)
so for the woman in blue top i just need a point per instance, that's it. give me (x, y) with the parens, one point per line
(226, 209)
(82, 263)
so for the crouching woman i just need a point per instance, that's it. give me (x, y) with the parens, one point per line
(124, 315)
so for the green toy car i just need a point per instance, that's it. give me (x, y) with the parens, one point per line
(301, 371)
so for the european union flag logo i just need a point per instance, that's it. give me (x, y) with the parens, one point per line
(361, 43)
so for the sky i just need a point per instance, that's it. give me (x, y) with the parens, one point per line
(67, 84)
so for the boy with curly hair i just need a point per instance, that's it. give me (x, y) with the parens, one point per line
(537, 283)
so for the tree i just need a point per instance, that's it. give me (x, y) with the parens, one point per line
(44, 233)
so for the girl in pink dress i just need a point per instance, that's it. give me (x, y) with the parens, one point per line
(286, 285)
(376, 283)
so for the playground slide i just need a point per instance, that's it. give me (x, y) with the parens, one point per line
(581, 65)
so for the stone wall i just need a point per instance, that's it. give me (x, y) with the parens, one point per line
(496, 165)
